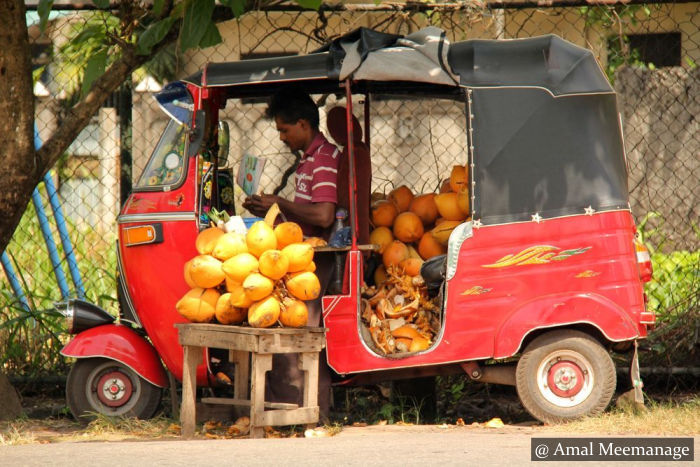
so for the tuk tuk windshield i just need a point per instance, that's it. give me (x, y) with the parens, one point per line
(167, 163)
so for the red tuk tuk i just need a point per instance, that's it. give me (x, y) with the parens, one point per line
(546, 270)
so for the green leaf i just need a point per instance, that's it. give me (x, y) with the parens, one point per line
(311, 4)
(43, 9)
(196, 22)
(94, 69)
(153, 35)
(237, 6)
(211, 37)
(102, 4)
(158, 7)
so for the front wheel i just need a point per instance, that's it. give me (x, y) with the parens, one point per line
(564, 375)
(104, 386)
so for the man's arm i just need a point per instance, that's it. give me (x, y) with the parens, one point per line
(320, 214)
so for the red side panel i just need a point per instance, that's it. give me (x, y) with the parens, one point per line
(122, 344)
(511, 279)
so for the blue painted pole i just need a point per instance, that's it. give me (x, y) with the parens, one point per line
(50, 244)
(14, 283)
(63, 234)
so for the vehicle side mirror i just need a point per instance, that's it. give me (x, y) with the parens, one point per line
(223, 141)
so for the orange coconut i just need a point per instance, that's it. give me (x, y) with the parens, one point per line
(259, 238)
(238, 267)
(408, 227)
(198, 305)
(287, 233)
(227, 313)
(424, 207)
(448, 207)
(458, 178)
(229, 245)
(445, 187)
(273, 264)
(264, 313)
(206, 240)
(442, 232)
(206, 271)
(463, 199)
(188, 278)
(381, 236)
(298, 255)
(238, 297)
(310, 268)
(383, 213)
(396, 252)
(294, 313)
(257, 286)
(411, 266)
(429, 247)
(304, 285)
(401, 197)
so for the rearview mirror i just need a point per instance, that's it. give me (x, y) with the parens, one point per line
(223, 141)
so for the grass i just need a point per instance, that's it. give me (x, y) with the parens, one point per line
(659, 418)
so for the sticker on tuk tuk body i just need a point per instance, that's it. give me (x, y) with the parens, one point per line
(587, 273)
(539, 254)
(476, 290)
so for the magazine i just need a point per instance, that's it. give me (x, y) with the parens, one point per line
(249, 172)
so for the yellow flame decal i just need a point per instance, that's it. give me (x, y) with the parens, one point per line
(587, 273)
(539, 254)
(476, 290)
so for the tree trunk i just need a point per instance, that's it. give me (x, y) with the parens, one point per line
(20, 167)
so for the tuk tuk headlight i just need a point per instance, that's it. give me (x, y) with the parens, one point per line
(81, 315)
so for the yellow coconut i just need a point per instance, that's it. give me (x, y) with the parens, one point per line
(238, 297)
(381, 236)
(458, 178)
(198, 305)
(273, 264)
(299, 255)
(227, 313)
(311, 267)
(294, 313)
(257, 286)
(230, 284)
(448, 207)
(441, 233)
(288, 233)
(206, 240)
(315, 241)
(304, 285)
(188, 278)
(264, 313)
(260, 238)
(240, 266)
(206, 271)
(229, 245)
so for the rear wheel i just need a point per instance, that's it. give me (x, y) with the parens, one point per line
(108, 387)
(564, 375)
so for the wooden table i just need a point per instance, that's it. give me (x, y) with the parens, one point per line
(257, 346)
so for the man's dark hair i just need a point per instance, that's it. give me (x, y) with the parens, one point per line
(291, 105)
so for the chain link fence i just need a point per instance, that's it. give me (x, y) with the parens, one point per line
(650, 52)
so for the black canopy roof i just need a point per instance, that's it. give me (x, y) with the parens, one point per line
(546, 135)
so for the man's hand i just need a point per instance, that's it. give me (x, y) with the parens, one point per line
(259, 204)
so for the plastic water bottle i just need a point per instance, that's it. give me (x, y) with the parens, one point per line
(336, 285)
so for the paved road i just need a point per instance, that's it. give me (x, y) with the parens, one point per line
(368, 447)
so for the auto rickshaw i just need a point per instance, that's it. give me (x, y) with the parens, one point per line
(539, 284)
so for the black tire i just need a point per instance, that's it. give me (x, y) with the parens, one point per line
(564, 375)
(130, 396)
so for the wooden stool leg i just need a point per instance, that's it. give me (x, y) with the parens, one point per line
(308, 361)
(240, 384)
(262, 363)
(192, 357)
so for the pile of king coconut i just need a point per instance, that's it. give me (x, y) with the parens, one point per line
(262, 276)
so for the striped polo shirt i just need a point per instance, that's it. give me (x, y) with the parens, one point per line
(317, 173)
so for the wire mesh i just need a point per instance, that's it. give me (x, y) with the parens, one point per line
(650, 51)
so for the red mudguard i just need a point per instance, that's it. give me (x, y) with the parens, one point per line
(122, 344)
